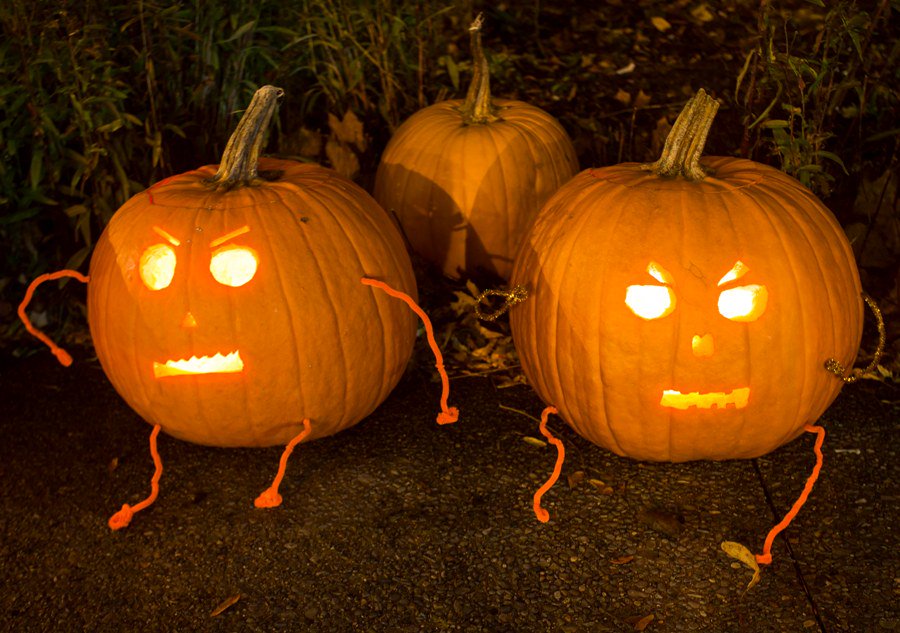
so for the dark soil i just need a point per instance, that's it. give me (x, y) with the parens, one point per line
(398, 524)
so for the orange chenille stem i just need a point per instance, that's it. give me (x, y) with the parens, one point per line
(123, 517)
(448, 414)
(269, 498)
(61, 354)
(766, 557)
(542, 515)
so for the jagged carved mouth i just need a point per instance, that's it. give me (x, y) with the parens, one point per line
(719, 399)
(230, 363)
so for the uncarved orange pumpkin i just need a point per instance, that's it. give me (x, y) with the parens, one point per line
(466, 178)
(684, 310)
(225, 303)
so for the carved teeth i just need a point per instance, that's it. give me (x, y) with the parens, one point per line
(677, 400)
(230, 363)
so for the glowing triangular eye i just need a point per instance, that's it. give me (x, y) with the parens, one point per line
(157, 266)
(650, 302)
(744, 303)
(233, 265)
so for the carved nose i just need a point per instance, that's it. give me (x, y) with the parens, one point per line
(189, 320)
(703, 345)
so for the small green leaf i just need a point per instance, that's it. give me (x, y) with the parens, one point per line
(241, 31)
(834, 158)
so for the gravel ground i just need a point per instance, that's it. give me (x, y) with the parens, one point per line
(401, 525)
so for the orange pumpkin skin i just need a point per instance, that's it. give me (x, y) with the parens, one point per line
(315, 343)
(466, 194)
(606, 369)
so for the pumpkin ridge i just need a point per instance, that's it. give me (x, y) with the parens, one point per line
(563, 357)
(785, 224)
(538, 149)
(609, 417)
(719, 208)
(365, 220)
(739, 248)
(503, 188)
(820, 227)
(356, 220)
(414, 136)
(329, 291)
(262, 219)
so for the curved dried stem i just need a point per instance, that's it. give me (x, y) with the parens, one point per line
(477, 107)
(239, 160)
(684, 144)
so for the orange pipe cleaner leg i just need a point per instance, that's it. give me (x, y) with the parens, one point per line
(123, 517)
(61, 355)
(542, 515)
(766, 557)
(448, 415)
(270, 498)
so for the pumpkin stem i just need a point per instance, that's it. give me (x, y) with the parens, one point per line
(684, 144)
(477, 107)
(241, 155)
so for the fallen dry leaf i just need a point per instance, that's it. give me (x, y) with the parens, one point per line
(660, 24)
(702, 13)
(741, 553)
(602, 486)
(534, 441)
(622, 560)
(342, 158)
(575, 478)
(225, 604)
(623, 97)
(348, 130)
(669, 523)
(642, 100)
(643, 623)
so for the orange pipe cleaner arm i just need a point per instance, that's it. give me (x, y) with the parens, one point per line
(61, 355)
(766, 557)
(542, 515)
(448, 415)
(123, 517)
(269, 498)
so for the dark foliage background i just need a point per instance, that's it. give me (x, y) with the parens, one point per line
(100, 100)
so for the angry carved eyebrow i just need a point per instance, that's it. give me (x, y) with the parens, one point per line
(737, 271)
(171, 239)
(228, 236)
(659, 273)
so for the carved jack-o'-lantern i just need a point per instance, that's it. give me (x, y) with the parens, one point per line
(225, 304)
(685, 311)
(232, 305)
